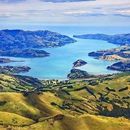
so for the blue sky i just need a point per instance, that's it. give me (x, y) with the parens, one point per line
(68, 12)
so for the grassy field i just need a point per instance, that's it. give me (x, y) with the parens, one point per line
(97, 104)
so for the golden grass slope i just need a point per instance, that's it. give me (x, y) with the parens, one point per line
(66, 108)
(85, 122)
(17, 119)
(7, 118)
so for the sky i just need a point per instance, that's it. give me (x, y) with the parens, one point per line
(65, 12)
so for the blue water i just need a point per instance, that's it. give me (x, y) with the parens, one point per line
(59, 63)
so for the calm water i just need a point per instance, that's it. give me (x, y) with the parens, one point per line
(61, 59)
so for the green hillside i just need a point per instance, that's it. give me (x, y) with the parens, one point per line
(90, 104)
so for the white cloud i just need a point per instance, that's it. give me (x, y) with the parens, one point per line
(99, 12)
(124, 12)
(77, 12)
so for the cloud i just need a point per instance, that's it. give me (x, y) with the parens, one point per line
(57, 1)
(11, 1)
(99, 12)
(124, 12)
(53, 1)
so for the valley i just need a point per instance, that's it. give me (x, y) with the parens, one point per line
(64, 65)
(83, 100)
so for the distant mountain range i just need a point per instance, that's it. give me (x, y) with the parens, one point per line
(14, 39)
(120, 39)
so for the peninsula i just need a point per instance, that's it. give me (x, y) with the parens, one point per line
(20, 43)
(121, 53)
(5, 60)
(26, 53)
(20, 39)
(119, 39)
(14, 69)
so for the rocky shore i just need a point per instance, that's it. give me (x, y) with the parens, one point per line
(78, 74)
(26, 53)
(120, 66)
(14, 69)
(121, 53)
(5, 60)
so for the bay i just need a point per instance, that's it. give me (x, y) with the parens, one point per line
(59, 63)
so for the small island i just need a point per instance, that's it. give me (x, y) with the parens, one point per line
(14, 69)
(79, 63)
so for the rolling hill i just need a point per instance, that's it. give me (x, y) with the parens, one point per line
(20, 39)
(90, 104)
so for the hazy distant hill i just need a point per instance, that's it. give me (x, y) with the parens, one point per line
(121, 39)
(14, 39)
(19, 43)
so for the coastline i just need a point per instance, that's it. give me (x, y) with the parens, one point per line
(51, 67)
